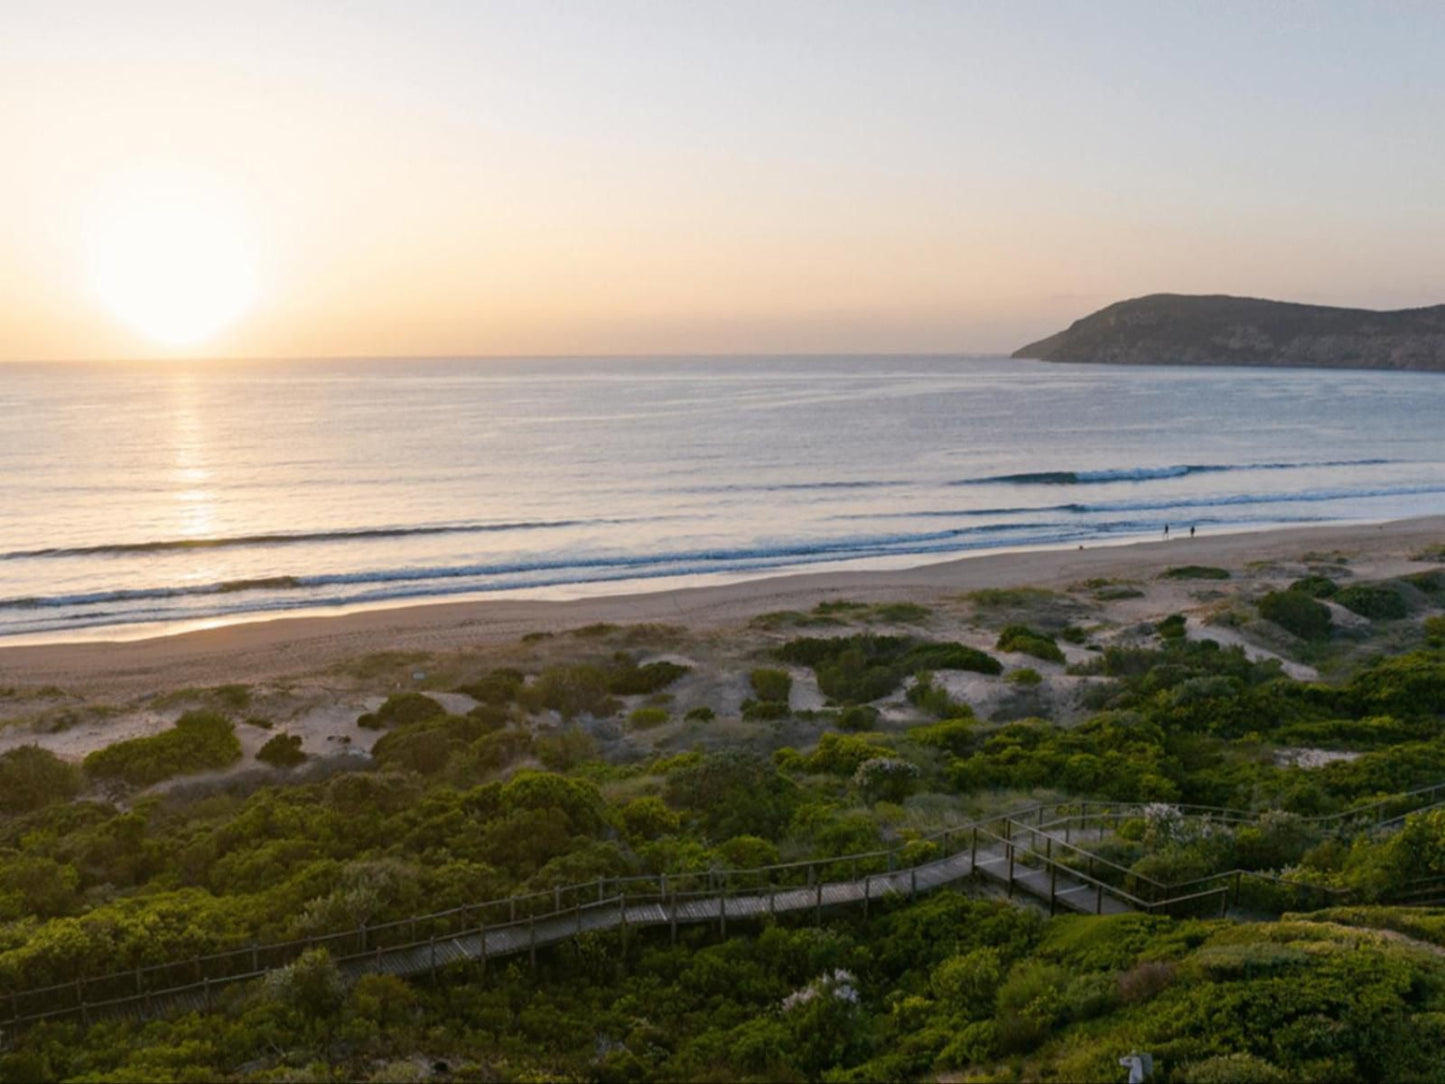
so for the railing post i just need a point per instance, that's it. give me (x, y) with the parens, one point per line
(818, 904)
(1010, 846)
(1098, 899)
(722, 908)
(622, 910)
(973, 854)
(1053, 888)
(867, 892)
(1237, 876)
(1224, 902)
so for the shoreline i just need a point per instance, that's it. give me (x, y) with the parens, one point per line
(289, 645)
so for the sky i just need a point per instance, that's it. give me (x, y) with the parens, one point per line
(617, 177)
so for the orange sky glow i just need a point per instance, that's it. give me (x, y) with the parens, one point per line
(390, 179)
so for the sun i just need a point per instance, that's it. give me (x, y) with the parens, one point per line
(171, 254)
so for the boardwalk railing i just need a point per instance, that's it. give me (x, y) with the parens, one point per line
(1038, 852)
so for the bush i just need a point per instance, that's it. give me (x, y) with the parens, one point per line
(566, 749)
(703, 714)
(1026, 676)
(629, 679)
(857, 717)
(1024, 640)
(647, 718)
(841, 754)
(1434, 627)
(1315, 586)
(1298, 613)
(764, 710)
(1172, 627)
(498, 687)
(952, 735)
(282, 751)
(885, 779)
(857, 669)
(401, 709)
(1194, 572)
(200, 741)
(32, 777)
(733, 793)
(1375, 601)
(771, 684)
(571, 691)
(934, 699)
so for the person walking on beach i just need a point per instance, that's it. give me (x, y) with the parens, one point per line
(1166, 530)
(1191, 530)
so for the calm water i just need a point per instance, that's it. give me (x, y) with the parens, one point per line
(167, 492)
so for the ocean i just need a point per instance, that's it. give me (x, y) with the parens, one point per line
(144, 497)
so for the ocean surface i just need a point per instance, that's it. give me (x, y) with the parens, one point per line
(142, 497)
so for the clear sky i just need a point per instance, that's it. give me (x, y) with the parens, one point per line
(690, 177)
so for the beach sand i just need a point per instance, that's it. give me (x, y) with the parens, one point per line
(292, 646)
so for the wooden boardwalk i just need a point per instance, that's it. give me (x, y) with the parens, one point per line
(1035, 856)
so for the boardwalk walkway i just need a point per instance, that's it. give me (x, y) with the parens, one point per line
(1037, 855)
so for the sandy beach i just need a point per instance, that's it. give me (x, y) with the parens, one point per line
(275, 649)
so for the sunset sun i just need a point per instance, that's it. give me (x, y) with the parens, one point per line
(171, 255)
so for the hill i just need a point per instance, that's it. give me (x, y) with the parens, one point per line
(1178, 329)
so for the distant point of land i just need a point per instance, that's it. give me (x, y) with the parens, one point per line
(1179, 329)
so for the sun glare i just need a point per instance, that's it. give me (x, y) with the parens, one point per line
(171, 255)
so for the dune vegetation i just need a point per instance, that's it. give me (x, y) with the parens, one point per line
(582, 759)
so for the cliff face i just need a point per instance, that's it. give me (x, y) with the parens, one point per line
(1176, 329)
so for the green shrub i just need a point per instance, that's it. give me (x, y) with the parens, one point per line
(1194, 572)
(857, 669)
(764, 710)
(885, 779)
(282, 751)
(498, 687)
(857, 717)
(200, 741)
(567, 748)
(1026, 676)
(934, 699)
(702, 714)
(1434, 627)
(1378, 602)
(629, 679)
(1315, 586)
(771, 684)
(952, 735)
(1172, 627)
(647, 718)
(401, 709)
(1298, 613)
(571, 691)
(1023, 640)
(841, 754)
(32, 777)
(647, 818)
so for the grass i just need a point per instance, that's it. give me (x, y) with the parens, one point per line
(1194, 572)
